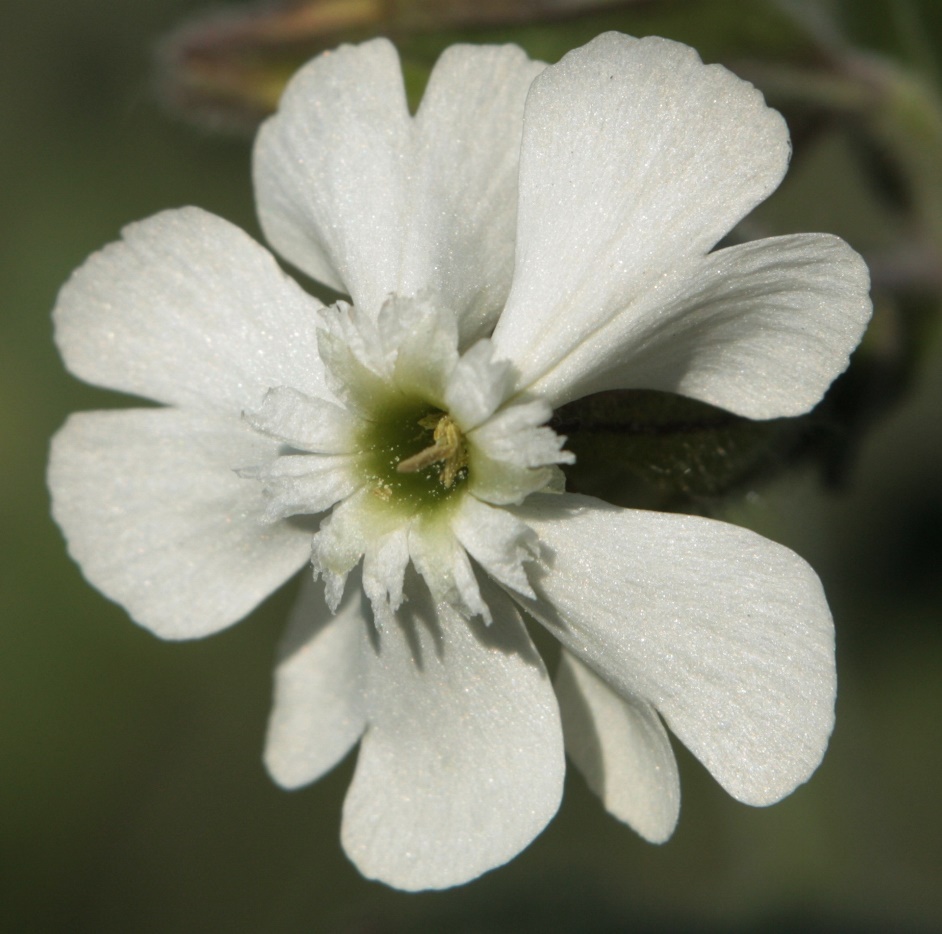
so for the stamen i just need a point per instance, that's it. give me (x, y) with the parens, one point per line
(448, 449)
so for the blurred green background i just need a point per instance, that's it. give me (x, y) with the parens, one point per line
(132, 794)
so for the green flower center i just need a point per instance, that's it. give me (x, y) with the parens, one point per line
(415, 456)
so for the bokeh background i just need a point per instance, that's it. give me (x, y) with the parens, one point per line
(132, 794)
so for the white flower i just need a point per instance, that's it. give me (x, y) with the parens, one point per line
(529, 236)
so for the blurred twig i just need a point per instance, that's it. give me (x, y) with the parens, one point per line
(228, 68)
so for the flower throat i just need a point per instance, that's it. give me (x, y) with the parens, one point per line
(416, 456)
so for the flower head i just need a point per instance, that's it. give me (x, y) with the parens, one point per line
(531, 235)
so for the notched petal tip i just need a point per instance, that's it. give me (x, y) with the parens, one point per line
(328, 170)
(730, 636)
(462, 765)
(635, 150)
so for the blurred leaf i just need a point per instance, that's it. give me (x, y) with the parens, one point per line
(655, 449)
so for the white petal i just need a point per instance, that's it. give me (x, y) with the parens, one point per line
(478, 385)
(462, 763)
(508, 455)
(187, 309)
(363, 198)
(358, 365)
(501, 483)
(514, 435)
(459, 237)
(307, 424)
(317, 713)
(159, 521)
(384, 566)
(305, 484)
(424, 337)
(329, 170)
(498, 541)
(635, 157)
(760, 329)
(622, 749)
(726, 633)
(446, 568)
(346, 534)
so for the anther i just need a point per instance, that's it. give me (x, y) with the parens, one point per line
(448, 449)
